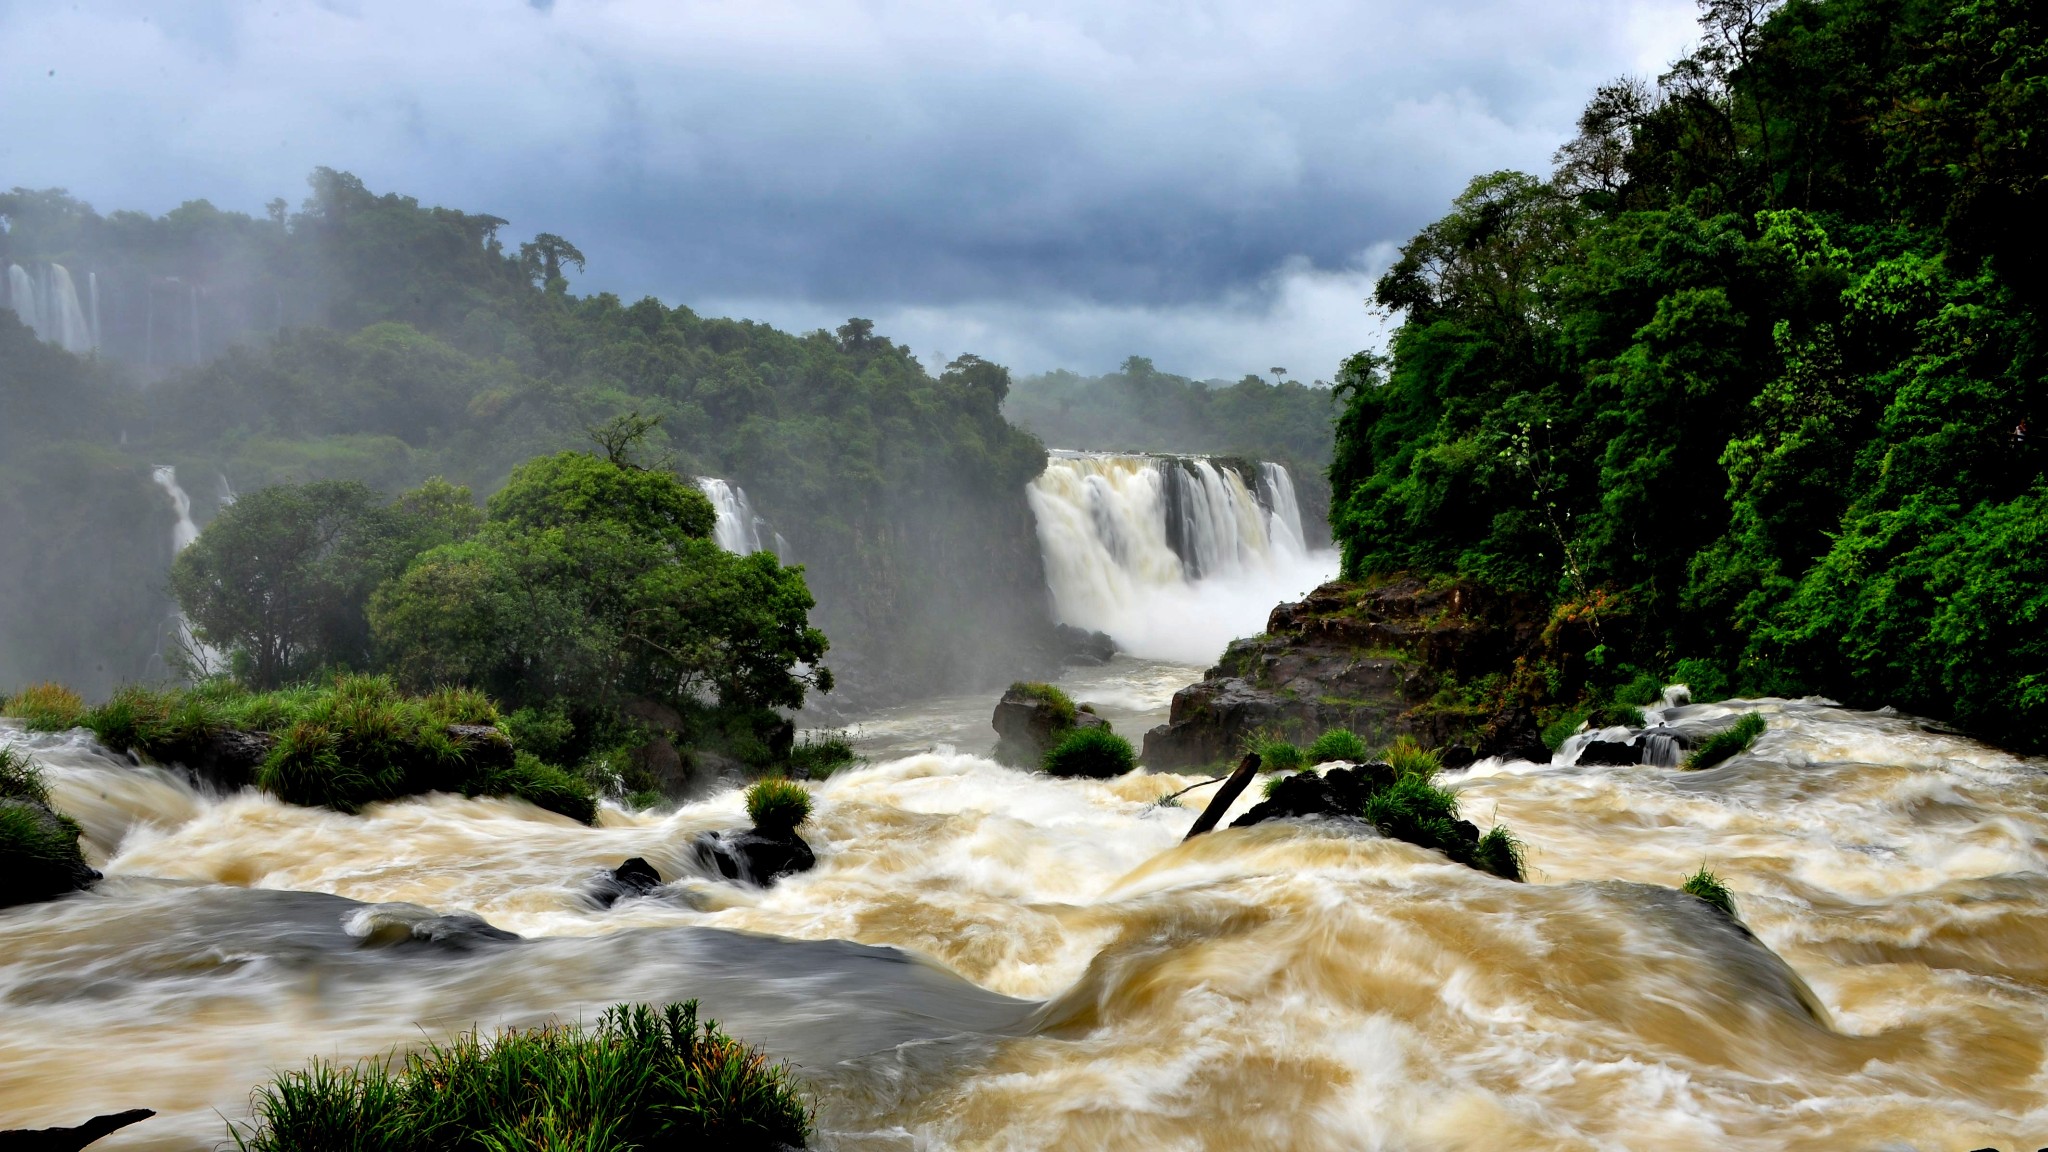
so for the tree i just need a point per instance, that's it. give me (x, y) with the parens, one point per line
(542, 258)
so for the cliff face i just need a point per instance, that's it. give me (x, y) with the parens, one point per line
(1396, 657)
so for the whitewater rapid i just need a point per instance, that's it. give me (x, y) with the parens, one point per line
(1042, 964)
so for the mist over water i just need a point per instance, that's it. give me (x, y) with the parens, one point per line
(1087, 980)
(1173, 557)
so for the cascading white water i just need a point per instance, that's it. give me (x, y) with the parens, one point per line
(50, 306)
(22, 296)
(737, 529)
(184, 532)
(1173, 557)
(191, 651)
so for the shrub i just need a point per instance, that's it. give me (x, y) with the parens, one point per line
(1561, 729)
(1277, 755)
(1096, 752)
(47, 708)
(1722, 745)
(1612, 715)
(1417, 811)
(1646, 689)
(778, 807)
(1338, 744)
(818, 756)
(545, 732)
(1708, 887)
(1702, 678)
(1060, 704)
(538, 783)
(1499, 853)
(1412, 759)
(640, 1079)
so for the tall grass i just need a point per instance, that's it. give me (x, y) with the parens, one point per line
(39, 853)
(1059, 703)
(21, 778)
(640, 1079)
(818, 756)
(778, 807)
(1412, 759)
(1723, 745)
(1339, 744)
(1094, 752)
(46, 708)
(1708, 887)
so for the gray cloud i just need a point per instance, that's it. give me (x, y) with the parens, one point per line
(1066, 181)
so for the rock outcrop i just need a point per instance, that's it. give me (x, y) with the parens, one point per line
(39, 855)
(1027, 726)
(635, 877)
(752, 856)
(1377, 659)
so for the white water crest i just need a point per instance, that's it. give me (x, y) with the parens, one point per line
(737, 528)
(1073, 975)
(1174, 557)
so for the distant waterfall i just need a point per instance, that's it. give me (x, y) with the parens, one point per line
(1172, 556)
(738, 529)
(49, 305)
(183, 532)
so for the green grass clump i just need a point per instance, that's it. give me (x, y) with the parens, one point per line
(1412, 759)
(1558, 731)
(1708, 887)
(1061, 705)
(1646, 689)
(1702, 678)
(1276, 754)
(1339, 744)
(1096, 752)
(1499, 853)
(46, 708)
(1419, 812)
(640, 1079)
(1722, 745)
(21, 778)
(778, 807)
(39, 853)
(818, 756)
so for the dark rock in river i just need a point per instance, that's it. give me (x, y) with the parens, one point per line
(1369, 659)
(226, 759)
(1080, 646)
(70, 1139)
(1609, 753)
(636, 877)
(753, 857)
(1028, 727)
(1337, 792)
(39, 855)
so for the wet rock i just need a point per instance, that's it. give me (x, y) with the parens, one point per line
(1337, 792)
(1513, 735)
(753, 857)
(482, 744)
(1080, 646)
(1609, 753)
(635, 877)
(39, 856)
(1456, 756)
(227, 760)
(70, 1139)
(1028, 727)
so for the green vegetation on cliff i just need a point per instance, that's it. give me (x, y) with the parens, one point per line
(39, 853)
(1752, 384)
(639, 1079)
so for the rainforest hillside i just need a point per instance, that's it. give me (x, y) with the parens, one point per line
(1753, 381)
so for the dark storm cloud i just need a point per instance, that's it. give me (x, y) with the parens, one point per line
(995, 168)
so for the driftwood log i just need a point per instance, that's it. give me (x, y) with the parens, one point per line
(1225, 796)
(70, 1139)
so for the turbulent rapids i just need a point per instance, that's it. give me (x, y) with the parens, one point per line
(1172, 556)
(988, 958)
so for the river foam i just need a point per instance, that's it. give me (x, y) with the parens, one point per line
(1078, 977)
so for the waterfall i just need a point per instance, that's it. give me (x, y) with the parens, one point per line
(192, 654)
(1172, 556)
(21, 293)
(92, 282)
(738, 529)
(184, 532)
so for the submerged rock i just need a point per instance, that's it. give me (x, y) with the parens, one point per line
(1028, 726)
(1337, 792)
(752, 856)
(1609, 753)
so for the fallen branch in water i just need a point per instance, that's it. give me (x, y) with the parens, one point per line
(1188, 789)
(1225, 796)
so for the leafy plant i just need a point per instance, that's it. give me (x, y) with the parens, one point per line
(1708, 887)
(1704, 681)
(1095, 752)
(1339, 744)
(640, 1079)
(778, 807)
(1723, 745)
(1561, 729)
(819, 755)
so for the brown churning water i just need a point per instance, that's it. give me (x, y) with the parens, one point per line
(1078, 978)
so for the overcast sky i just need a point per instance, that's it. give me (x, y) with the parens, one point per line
(1050, 184)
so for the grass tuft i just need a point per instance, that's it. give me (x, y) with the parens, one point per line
(1412, 759)
(47, 708)
(21, 778)
(1558, 731)
(818, 756)
(1096, 752)
(1500, 853)
(1061, 705)
(1708, 887)
(778, 807)
(1723, 745)
(1339, 744)
(640, 1079)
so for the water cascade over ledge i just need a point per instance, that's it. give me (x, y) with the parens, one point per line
(1173, 556)
(738, 528)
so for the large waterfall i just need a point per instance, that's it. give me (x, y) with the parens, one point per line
(49, 305)
(1172, 556)
(738, 528)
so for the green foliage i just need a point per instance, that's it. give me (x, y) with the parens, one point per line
(1702, 679)
(1722, 745)
(39, 853)
(1646, 689)
(778, 807)
(46, 708)
(640, 1079)
(1417, 811)
(1499, 853)
(1275, 752)
(1056, 701)
(1339, 744)
(21, 778)
(1753, 377)
(1708, 887)
(1561, 729)
(548, 732)
(1411, 760)
(1093, 752)
(817, 756)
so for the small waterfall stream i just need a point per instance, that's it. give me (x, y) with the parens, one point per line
(1172, 556)
(738, 528)
(49, 304)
